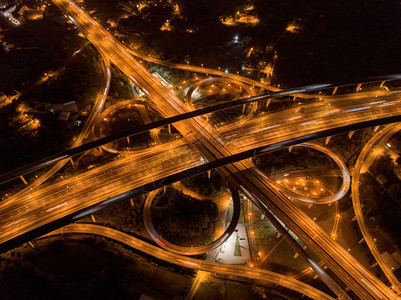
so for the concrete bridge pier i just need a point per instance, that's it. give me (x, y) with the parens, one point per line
(350, 134)
(23, 180)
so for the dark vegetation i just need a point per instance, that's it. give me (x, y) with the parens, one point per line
(86, 268)
(282, 161)
(39, 52)
(225, 116)
(124, 217)
(78, 81)
(127, 117)
(18, 149)
(341, 41)
(174, 76)
(382, 202)
(348, 149)
(184, 220)
(120, 87)
(52, 45)
(203, 185)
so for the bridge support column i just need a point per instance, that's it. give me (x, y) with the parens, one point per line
(296, 255)
(278, 235)
(268, 102)
(382, 86)
(128, 140)
(358, 87)
(350, 134)
(209, 173)
(334, 91)
(376, 127)
(309, 205)
(326, 142)
(132, 202)
(294, 98)
(243, 108)
(329, 204)
(354, 218)
(169, 128)
(23, 180)
(93, 218)
(71, 161)
(315, 277)
(31, 245)
(361, 240)
(290, 148)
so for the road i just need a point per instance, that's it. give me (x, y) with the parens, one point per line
(50, 202)
(207, 141)
(244, 101)
(363, 162)
(193, 250)
(139, 103)
(203, 70)
(318, 200)
(192, 263)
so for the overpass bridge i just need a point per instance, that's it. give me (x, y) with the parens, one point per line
(206, 140)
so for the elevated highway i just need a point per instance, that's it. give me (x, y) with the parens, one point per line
(208, 142)
(192, 263)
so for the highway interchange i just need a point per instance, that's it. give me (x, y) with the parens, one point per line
(206, 140)
(49, 203)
